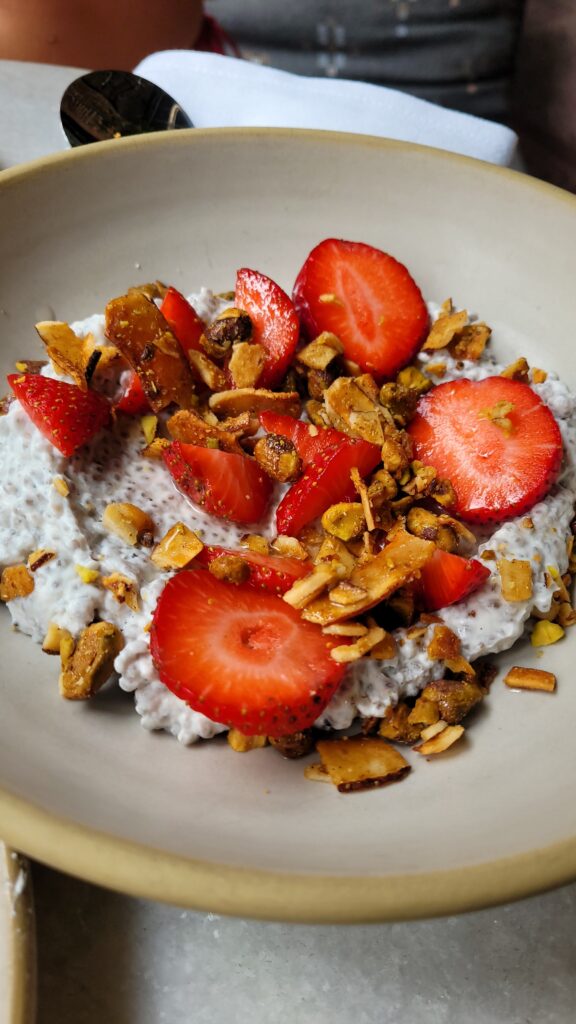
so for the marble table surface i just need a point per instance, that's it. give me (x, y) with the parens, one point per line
(109, 959)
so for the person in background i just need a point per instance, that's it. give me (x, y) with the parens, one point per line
(507, 60)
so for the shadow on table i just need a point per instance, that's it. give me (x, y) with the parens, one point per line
(107, 959)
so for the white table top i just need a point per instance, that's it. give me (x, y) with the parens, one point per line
(110, 959)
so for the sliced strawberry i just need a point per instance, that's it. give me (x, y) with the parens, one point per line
(309, 441)
(324, 482)
(240, 656)
(133, 401)
(183, 319)
(498, 469)
(275, 324)
(67, 416)
(448, 578)
(226, 485)
(267, 572)
(367, 299)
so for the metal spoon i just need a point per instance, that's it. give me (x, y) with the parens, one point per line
(111, 104)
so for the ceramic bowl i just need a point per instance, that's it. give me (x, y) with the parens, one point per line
(83, 787)
(17, 940)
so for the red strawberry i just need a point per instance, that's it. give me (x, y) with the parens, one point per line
(226, 485)
(268, 572)
(67, 416)
(133, 401)
(448, 578)
(183, 319)
(367, 299)
(309, 441)
(324, 482)
(240, 656)
(274, 322)
(497, 471)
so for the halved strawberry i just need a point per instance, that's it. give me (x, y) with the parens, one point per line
(183, 319)
(269, 572)
(133, 401)
(274, 321)
(324, 482)
(309, 441)
(240, 656)
(67, 416)
(226, 485)
(365, 297)
(494, 439)
(448, 578)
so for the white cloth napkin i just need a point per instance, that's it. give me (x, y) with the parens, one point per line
(221, 92)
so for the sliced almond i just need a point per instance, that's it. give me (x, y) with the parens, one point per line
(246, 364)
(207, 371)
(254, 400)
(444, 329)
(361, 762)
(352, 652)
(441, 741)
(305, 589)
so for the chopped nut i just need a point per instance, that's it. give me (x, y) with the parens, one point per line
(384, 650)
(39, 558)
(278, 457)
(331, 548)
(61, 485)
(297, 744)
(539, 376)
(344, 520)
(53, 639)
(352, 652)
(346, 593)
(362, 492)
(305, 589)
(246, 364)
(230, 327)
(87, 575)
(178, 547)
(242, 744)
(443, 493)
(437, 369)
(413, 378)
(545, 633)
(152, 289)
(255, 542)
(156, 448)
(518, 370)
(149, 425)
(16, 581)
(454, 698)
(206, 371)
(129, 522)
(398, 563)
(400, 401)
(317, 414)
(530, 679)
(397, 452)
(361, 762)
(318, 382)
(424, 713)
(30, 365)
(88, 665)
(124, 589)
(425, 524)
(515, 579)
(320, 352)
(498, 415)
(422, 480)
(255, 400)
(230, 568)
(290, 547)
(353, 411)
(187, 426)
(470, 342)
(345, 629)
(444, 645)
(440, 742)
(396, 725)
(444, 329)
(566, 615)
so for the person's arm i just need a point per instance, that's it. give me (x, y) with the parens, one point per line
(94, 34)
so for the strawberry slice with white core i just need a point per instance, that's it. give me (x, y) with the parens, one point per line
(324, 482)
(447, 578)
(494, 439)
(227, 485)
(276, 573)
(275, 324)
(365, 297)
(241, 657)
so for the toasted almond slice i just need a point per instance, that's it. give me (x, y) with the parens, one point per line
(346, 593)
(320, 352)
(246, 364)
(433, 729)
(518, 370)
(443, 330)
(530, 679)
(444, 644)
(345, 629)
(317, 773)
(442, 741)
(352, 652)
(305, 589)
(65, 350)
(207, 371)
(398, 563)
(39, 558)
(291, 547)
(353, 411)
(255, 400)
(362, 492)
(187, 426)
(361, 762)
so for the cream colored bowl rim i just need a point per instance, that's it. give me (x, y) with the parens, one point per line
(19, 999)
(155, 874)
